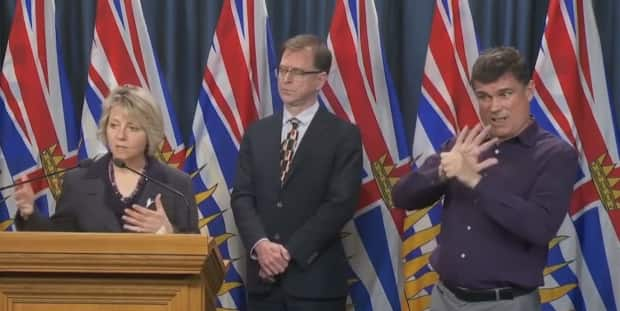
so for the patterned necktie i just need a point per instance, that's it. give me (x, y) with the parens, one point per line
(288, 149)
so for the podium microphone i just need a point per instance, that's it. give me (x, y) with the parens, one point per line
(82, 164)
(121, 164)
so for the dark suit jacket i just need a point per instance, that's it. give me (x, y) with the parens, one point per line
(82, 206)
(307, 213)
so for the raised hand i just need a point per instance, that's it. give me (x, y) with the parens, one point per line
(24, 199)
(463, 160)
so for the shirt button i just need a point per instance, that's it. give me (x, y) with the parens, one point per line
(463, 255)
(279, 204)
(468, 228)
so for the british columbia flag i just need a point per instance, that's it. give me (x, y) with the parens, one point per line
(38, 130)
(238, 87)
(360, 90)
(122, 53)
(572, 101)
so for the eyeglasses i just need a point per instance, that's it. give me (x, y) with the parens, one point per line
(295, 73)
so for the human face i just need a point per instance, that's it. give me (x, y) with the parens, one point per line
(126, 138)
(298, 81)
(504, 105)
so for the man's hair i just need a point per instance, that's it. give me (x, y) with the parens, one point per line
(141, 107)
(495, 62)
(322, 55)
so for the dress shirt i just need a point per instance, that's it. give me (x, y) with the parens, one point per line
(304, 117)
(497, 234)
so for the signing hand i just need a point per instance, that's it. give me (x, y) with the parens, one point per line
(141, 219)
(463, 160)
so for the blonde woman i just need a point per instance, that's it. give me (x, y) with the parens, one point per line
(105, 197)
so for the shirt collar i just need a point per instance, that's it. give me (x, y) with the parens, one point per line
(528, 135)
(304, 117)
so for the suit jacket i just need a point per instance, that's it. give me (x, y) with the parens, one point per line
(308, 211)
(82, 205)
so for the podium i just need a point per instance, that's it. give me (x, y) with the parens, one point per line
(108, 272)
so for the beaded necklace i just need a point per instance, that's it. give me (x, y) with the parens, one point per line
(117, 193)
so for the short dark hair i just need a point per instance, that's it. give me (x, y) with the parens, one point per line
(495, 62)
(322, 55)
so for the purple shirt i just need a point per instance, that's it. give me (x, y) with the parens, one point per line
(497, 233)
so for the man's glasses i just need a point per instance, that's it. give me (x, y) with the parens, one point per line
(295, 73)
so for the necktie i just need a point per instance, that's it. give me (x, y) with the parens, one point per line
(288, 149)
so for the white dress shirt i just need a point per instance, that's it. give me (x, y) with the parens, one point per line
(304, 117)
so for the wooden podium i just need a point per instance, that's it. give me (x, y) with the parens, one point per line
(108, 272)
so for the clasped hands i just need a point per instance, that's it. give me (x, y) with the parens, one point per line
(273, 259)
(463, 160)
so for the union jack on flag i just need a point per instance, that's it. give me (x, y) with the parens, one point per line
(447, 105)
(122, 54)
(360, 89)
(572, 101)
(38, 134)
(238, 87)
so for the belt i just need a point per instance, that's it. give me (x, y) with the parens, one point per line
(493, 294)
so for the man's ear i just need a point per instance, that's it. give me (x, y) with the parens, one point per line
(322, 79)
(529, 90)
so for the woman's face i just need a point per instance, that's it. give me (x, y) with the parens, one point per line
(127, 139)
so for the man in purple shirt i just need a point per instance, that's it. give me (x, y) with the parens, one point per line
(506, 187)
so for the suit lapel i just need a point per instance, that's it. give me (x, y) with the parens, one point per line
(155, 171)
(311, 139)
(266, 149)
(273, 146)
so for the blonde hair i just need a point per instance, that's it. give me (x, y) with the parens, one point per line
(141, 107)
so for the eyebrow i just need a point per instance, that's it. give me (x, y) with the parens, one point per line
(498, 91)
(130, 122)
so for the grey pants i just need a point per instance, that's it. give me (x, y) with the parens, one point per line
(444, 300)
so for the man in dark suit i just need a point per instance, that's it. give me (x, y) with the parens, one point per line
(297, 184)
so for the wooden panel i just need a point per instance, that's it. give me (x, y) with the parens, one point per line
(98, 271)
(72, 307)
(33, 294)
(103, 252)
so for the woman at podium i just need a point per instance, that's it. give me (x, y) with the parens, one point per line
(126, 190)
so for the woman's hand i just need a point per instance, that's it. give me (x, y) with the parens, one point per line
(141, 219)
(24, 197)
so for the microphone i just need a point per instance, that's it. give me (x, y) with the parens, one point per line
(121, 164)
(82, 164)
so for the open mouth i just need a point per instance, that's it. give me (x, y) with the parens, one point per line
(499, 119)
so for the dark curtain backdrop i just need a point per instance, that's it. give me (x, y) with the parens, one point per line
(181, 33)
